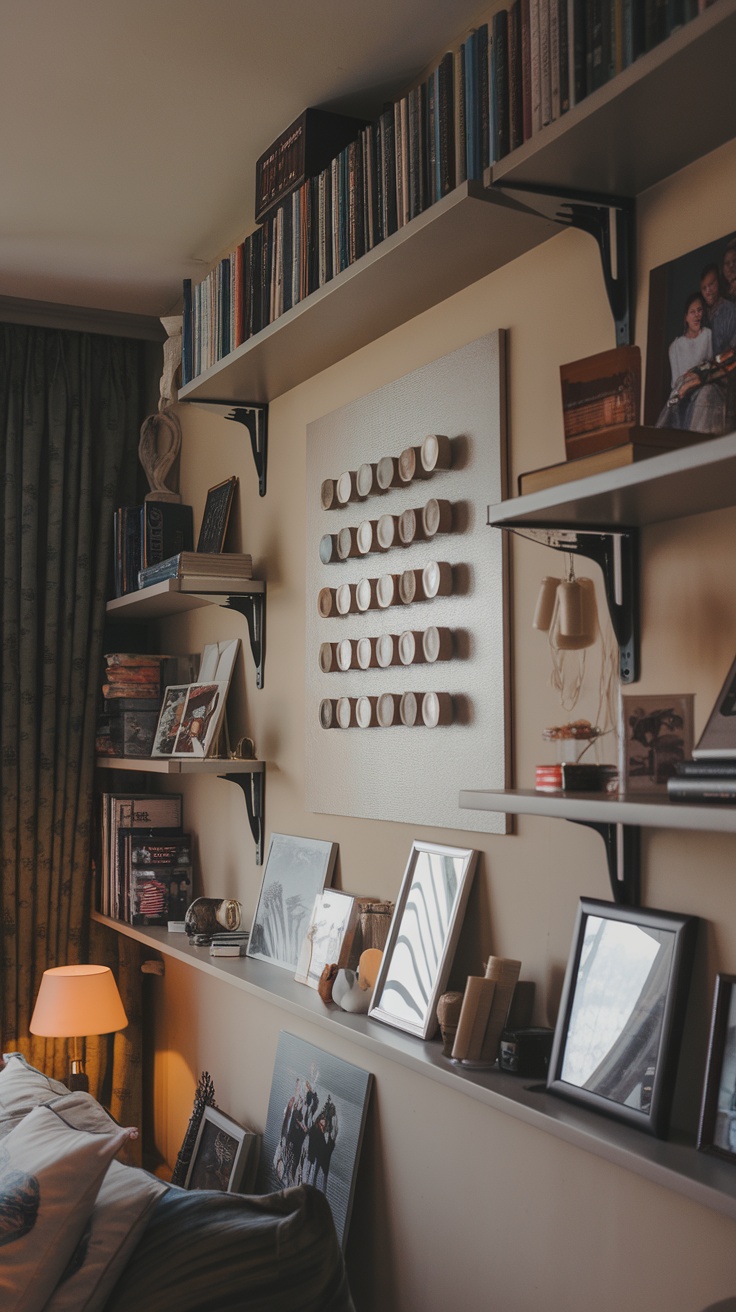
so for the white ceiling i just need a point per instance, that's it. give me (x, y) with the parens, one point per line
(129, 129)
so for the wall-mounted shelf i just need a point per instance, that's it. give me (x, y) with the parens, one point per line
(647, 810)
(675, 1165)
(250, 776)
(467, 234)
(173, 596)
(638, 128)
(475, 230)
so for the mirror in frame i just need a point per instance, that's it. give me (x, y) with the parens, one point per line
(423, 937)
(619, 1028)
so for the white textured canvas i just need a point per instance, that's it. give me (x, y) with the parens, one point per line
(400, 773)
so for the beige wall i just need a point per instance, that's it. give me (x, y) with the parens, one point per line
(458, 1205)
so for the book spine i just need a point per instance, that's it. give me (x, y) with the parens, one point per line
(501, 84)
(579, 50)
(516, 106)
(535, 66)
(461, 164)
(186, 333)
(564, 62)
(526, 71)
(446, 125)
(483, 93)
(554, 58)
(545, 63)
(471, 109)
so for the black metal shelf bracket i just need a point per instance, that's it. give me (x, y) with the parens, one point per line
(254, 416)
(616, 551)
(611, 221)
(253, 606)
(253, 787)
(622, 844)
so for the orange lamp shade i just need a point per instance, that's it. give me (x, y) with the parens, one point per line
(74, 1001)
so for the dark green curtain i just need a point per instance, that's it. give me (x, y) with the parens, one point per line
(71, 406)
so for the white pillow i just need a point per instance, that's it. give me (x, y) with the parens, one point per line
(50, 1174)
(22, 1088)
(118, 1219)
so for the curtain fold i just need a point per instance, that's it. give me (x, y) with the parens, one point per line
(71, 405)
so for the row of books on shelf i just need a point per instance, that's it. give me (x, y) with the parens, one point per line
(145, 875)
(508, 80)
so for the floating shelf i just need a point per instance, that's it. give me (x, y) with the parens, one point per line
(165, 765)
(464, 236)
(676, 1165)
(172, 596)
(639, 128)
(646, 810)
(690, 481)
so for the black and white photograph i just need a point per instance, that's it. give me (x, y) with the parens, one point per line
(296, 871)
(314, 1128)
(691, 341)
(717, 1132)
(657, 734)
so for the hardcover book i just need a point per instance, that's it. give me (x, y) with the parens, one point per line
(166, 527)
(301, 152)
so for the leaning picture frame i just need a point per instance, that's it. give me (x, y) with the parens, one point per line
(656, 736)
(172, 709)
(421, 943)
(717, 1125)
(201, 720)
(225, 1155)
(617, 1039)
(216, 517)
(295, 872)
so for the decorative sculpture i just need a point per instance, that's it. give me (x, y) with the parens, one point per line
(160, 441)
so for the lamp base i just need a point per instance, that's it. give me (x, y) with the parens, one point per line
(77, 1079)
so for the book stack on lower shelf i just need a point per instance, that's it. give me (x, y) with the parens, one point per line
(145, 859)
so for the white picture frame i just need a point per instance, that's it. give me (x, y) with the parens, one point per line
(295, 872)
(423, 937)
(332, 920)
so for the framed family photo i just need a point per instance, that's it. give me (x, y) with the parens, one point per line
(315, 1123)
(717, 1129)
(691, 341)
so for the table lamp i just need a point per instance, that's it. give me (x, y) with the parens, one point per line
(74, 1001)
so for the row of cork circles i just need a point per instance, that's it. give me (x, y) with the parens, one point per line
(435, 580)
(407, 648)
(432, 455)
(411, 526)
(411, 709)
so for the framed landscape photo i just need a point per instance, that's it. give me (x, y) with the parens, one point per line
(619, 1027)
(296, 871)
(225, 1155)
(717, 1128)
(314, 1127)
(216, 516)
(423, 936)
(657, 734)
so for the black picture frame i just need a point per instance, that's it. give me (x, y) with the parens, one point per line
(617, 1039)
(216, 516)
(717, 1125)
(224, 1155)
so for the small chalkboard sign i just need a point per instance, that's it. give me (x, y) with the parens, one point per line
(216, 515)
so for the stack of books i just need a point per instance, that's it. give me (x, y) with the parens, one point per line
(145, 862)
(712, 780)
(132, 690)
(209, 571)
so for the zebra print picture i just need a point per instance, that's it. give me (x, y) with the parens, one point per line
(296, 871)
(423, 937)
